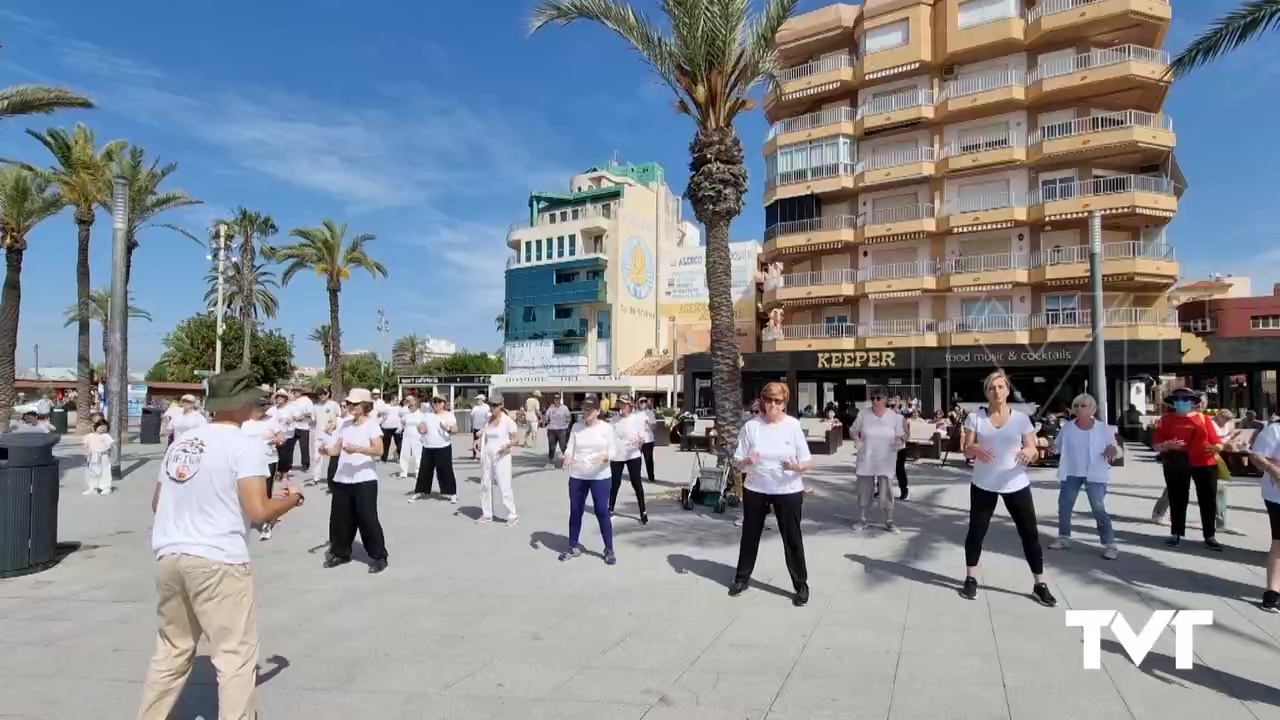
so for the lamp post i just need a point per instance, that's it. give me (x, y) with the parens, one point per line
(117, 363)
(384, 328)
(1098, 322)
(222, 297)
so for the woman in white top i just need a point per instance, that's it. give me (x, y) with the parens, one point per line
(878, 433)
(592, 443)
(437, 430)
(1085, 449)
(651, 429)
(390, 422)
(189, 419)
(411, 446)
(497, 439)
(1265, 454)
(630, 429)
(357, 445)
(283, 415)
(266, 432)
(773, 452)
(1001, 442)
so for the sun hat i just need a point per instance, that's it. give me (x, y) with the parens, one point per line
(281, 392)
(376, 391)
(188, 398)
(480, 398)
(537, 393)
(437, 398)
(231, 390)
(624, 399)
(495, 400)
(359, 395)
(1182, 393)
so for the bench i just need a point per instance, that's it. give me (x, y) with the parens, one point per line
(823, 439)
(924, 441)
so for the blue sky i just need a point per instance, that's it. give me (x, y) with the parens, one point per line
(428, 123)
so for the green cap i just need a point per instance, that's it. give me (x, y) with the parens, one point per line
(231, 390)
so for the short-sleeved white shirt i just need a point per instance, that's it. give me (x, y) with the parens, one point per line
(493, 438)
(587, 444)
(1004, 474)
(629, 434)
(357, 468)
(435, 437)
(776, 443)
(199, 511)
(878, 454)
(479, 416)
(1267, 445)
(412, 419)
(185, 423)
(264, 432)
(306, 408)
(172, 413)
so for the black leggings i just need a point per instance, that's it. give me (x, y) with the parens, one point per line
(1179, 476)
(982, 504)
(355, 507)
(900, 469)
(284, 454)
(646, 450)
(787, 509)
(390, 435)
(633, 471)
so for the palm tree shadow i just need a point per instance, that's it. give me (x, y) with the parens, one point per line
(717, 572)
(1162, 668)
(199, 696)
(874, 566)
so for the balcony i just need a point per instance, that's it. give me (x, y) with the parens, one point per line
(597, 218)
(895, 167)
(1123, 263)
(1140, 138)
(987, 330)
(986, 94)
(825, 234)
(1137, 21)
(981, 41)
(567, 329)
(1121, 323)
(813, 126)
(903, 108)
(983, 212)
(900, 333)
(967, 273)
(1132, 198)
(830, 75)
(984, 151)
(803, 288)
(514, 262)
(818, 336)
(836, 178)
(904, 278)
(902, 222)
(1130, 75)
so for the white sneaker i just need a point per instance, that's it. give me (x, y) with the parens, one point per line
(266, 532)
(860, 526)
(1059, 544)
(1111, 552)
(107, 491)
(416, 497)
(453, 499)
(891, 528)
(484, 520)
(90, 491)
(513, 521)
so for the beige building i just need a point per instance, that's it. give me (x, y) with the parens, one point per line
(932, 163)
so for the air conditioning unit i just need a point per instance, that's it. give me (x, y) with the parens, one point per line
(949, 72)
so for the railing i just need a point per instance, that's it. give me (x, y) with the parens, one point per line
(1103, 186)
(994, 80)
(982, 143)
(987, 263)
(1101, 123)
(797, 227)
(1096, 59)
(899, 328)
(1053, 7)
(586, 212)
(818, 331)
(893, 271)
(516, 261)
(828, 170)
(916, 97)
(897, 158)
(1112, 317)
(819, 277)
(822, 118)
(826, 63)
(982, 203)
(989, 323)
(1125, 250)
(567, 329)
(900, 213)
(1200, 325)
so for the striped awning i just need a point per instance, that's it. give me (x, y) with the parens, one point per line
(892, 71)
(895, 294)
(1126, 210)
(815, 90)
(983, 227)
(809, 248)
(985, 288)
(810, 302)
(896, 238)
(1064, 282)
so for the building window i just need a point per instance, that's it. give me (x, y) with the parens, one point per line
(560, 246)
(530, 314)
(595, 274)
(574, 214)
(528, 251)
(1265, 322)
(887, 36)
(606, 210)
(808, 161)
(987, 314)
(566, 276)
(560, 347)
(1057, 187)
(564, 216)
(979, 12)
(551, 218)
(573, 245)
(564, 313)
(537, 250)
(602, 325)
(1062, 309)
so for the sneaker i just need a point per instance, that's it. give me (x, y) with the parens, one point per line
(1040, 592)
(484, 519)
(892, 528)
(801, 598)
(860, 526)
(453, 499)
(107, 491)
(644, 518)
(1173, 541)
(266, 532)
(1270, 602)
(377, 566)
(1111, 552)
(1059, 544)
(333, 561)
(573, 552)
(90, 491)
(903, 496)
(1158, 519)
(610, 558)
(416, 497)
(737, 522)
(1213, 544)
(513, 521)
(737, 588)
(970, 589)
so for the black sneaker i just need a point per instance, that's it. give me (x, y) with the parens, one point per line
(801, 598)
(573, 552)
(610, 558)
(333, 561)
(903, 496)
(737, 588)
(1213, 544)
(1270, 602)
(1040, 592)
(377, 566)
(1173, 541)
(644, 518)
(970, 589)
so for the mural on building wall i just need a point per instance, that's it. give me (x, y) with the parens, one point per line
(638, 271)
(534, 357)
(696, 337)
(684, 283)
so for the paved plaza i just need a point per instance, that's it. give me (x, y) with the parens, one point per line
(479, 622)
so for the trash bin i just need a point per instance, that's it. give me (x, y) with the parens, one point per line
(28, 503)
(58, 418)
(149, 426)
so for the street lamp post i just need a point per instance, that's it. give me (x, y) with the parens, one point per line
(1098, 322)
(384, 328)
(117, 363)
(222, 298)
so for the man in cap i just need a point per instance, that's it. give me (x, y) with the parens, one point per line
(212, 485)
(302, 408)
(559, 420)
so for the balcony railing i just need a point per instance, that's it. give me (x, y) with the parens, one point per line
(826, 63)
(982, 143)
(815, 331)
(819, 277)
(820, 172)
(1112, 317)
(566, 329)
(1103, 186)
(822, 118)
(1101, 123)
(899, 328)
(798, 227)
(987, 263)
(989, 323)
(1126, 250)
(586, 212)
(916, 97)
(1097, 59)
(1053, 7)
(894, 271)
(901, 213)
(898, 158)
(516, 261)
(994, 80)
(982, 203)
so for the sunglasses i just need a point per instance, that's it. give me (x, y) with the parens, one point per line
(773, 399)
(877, 398)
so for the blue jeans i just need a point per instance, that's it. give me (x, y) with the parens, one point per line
(598, 490)
(1069, 491)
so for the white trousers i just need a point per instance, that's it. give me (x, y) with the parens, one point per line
(319, 461)
(97, 476)
(410, 456)
(533, 431)
(495, 469)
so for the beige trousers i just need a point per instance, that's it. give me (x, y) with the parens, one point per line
(214, 599)
(867, 487)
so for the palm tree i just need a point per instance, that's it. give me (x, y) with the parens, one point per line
(38, 100)
(1226, 34)
(500, 323)
(716, 53)
(409, 345)
(246, 292)
(82, 175)
(26, 199)
(250, 226)
(100, 312)
(326, 251)
(320, 334)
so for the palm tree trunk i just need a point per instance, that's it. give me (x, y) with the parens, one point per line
(246, 302)
(84, 365)
(335, 345)
(717, 184)
(10, 306)
(246, 331)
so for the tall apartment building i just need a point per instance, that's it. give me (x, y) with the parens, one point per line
(582, 284)
(404, 360)
(931, 168)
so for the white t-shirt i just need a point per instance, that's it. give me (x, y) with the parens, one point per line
(878, 453)
(558, 417)
(322, 414)
(629, 435)
(171, 414)
(479, 416)
(1267, 444)
(391, 417)
(589, 449)
(776, 443)
(185, 423)
(97, 446)
(436, 437)
(357, 468)
(302, 407)
(1004, 474)
(264, 432)
(411, 422)
(199, 509)
(283, 416)
(651, 422)
(494, 438)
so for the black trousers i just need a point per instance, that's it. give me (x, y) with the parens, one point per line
(554, 438)
(786, 508)
(271, 478)
(303, 439)
(331, 471)
(284, 455)
(1179, 476)
(1022, 510)
(390, 435)
(646, 450)
(900, 469)
(354, 506)
(437, 462)
(633, 471)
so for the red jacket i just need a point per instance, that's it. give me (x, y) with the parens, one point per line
(1196, 430)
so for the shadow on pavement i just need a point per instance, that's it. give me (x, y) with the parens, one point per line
(555, 543)
(717, 572)
(199, 697)
(1161, 667)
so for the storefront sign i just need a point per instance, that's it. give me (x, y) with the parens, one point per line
(421, 380)
(859, 359)
(1010, 356)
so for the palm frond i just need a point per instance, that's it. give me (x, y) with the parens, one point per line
(26, 200)
(98, 309)
(38, 100)
(1226, 34)
(654, 48)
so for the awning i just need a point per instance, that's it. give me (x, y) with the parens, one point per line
(895, 294)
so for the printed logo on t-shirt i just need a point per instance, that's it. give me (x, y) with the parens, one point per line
(183, 461)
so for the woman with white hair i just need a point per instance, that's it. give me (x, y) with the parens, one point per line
(1085, 448)
(189, 419)
(497, 439)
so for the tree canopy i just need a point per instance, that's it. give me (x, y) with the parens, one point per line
(462, 363)
(191, 346)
